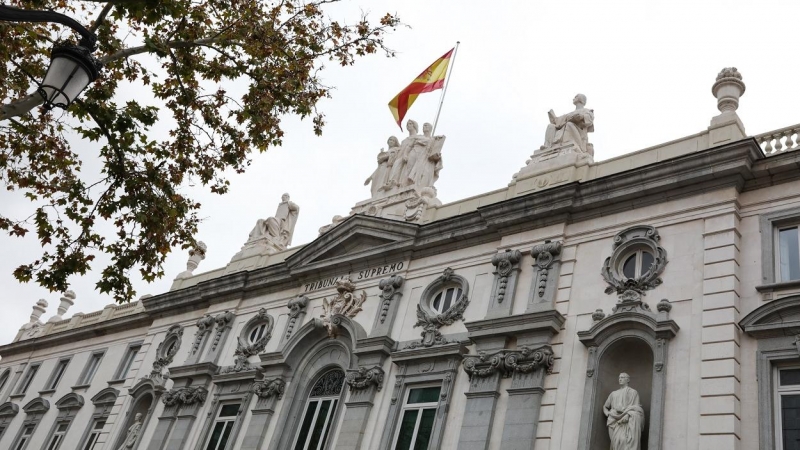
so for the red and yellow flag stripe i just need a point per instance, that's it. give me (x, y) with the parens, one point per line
(429, 80)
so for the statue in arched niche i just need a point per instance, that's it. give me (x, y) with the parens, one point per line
(133, 433)
(625, 416)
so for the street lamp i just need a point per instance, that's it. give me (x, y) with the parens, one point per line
(72, 67)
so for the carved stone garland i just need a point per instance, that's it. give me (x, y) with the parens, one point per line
(430, 321)
(544, 255)
(224, 320)
(204, 326)
(297, 306)
(344, 304)
(388, 288)
(185, 396)
(269, 388)
(244, 350)
(504, 262)
(627, 241)
(506, 362)
(362, 378)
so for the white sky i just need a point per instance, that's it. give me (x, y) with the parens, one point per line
(646, 68)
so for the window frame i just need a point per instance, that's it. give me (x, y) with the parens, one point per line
(777, 250)
(18, 444)
(121, 373)
(5, 377)
(332, 418)
(637, 254)
(82, 381)
(778, 391)
(93, 431)
(417, 406)
(234, 421)
(27, 379)
(56, 433)
(55, 379)
(770, 253)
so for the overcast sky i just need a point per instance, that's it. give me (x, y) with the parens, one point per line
(645, 67)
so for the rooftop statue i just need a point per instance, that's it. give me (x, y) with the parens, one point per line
(625, 416)
(275, 232)
(417, 161)
(571, 128)
(386, 159)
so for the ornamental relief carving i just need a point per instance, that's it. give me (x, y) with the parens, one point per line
(297, 307)
(363, 378)
(244, 348)
(185, 396)
(165, 353)
(544, 255)
(508, 362)
(429, 319)
(344, 304)
(204, 326)
(636, 263)
(389, 286)
(269, 388)
(504, 263)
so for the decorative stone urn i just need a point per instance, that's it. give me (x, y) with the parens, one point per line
(728, 88)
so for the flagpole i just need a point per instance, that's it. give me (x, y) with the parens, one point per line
(446, 83)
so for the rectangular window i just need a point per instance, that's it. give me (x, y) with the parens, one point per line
(91, 368)
(57, 374)
(94, 435)
(417, 417)
(222, 427)
(787, 407)
(127, 361)
(27, 432)
(788, 254)
(58, 436)
(28, 378)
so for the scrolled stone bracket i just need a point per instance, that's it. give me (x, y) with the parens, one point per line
(362, 378)
(505, 264)
(389, 287)
(269, 388)
(185, 396)
(508, 362)
(297, 308)
(544, 255)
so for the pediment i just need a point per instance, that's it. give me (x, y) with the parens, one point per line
(9, 409)
(106, 396)
(779, 317)
(357, 237)
(70, 401)
(37, 405)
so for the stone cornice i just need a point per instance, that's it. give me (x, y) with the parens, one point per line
(77, 334)
(548, 322)
(452, 349)
(206, 369)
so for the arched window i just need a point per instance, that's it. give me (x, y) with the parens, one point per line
(320, 411)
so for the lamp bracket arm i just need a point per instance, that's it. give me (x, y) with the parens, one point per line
(12, 14)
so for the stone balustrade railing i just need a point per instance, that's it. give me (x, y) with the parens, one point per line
(779, 141)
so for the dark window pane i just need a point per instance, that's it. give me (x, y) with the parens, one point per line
(629, 268)
(316, 433)
(448, 299)
(229, 410)
(302, 436)
(437, 302)
(424, 395)
(407, 430)
(215, 435)
(425, 429)
(790, 410)
(647, 261)
(225, 435)
(789, 255)
(99, 425)
(330, 422)
(790, 377)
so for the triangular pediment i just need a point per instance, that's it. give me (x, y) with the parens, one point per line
(357, 237)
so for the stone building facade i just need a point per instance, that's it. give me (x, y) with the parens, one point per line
(501, 321)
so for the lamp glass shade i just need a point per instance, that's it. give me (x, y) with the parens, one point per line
(71, 69)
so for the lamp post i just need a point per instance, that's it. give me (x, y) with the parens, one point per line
(72, 67)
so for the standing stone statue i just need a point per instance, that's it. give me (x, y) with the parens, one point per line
(277, 230)
(400, 166)
(133, 433)
(428, 159)
(380, 176)
(625, 417)
(571, 128)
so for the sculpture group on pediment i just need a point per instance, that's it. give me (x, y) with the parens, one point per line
(414, 162)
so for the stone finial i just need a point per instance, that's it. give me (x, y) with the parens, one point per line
(67, 300)
(38, 309)
(727, 89)
(196, 255)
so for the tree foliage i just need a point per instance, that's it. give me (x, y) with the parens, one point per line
(183, 53)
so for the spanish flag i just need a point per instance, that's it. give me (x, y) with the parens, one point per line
(429, 80)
